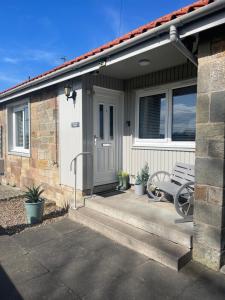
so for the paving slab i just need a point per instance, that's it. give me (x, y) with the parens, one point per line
(66, 226)
(9, 248)
(46, 287)
(89, 239)
(7, 287)
(59, 252)
(31, 238)
(23, 269)
(164, 283)
(88, 274)
(210, 285)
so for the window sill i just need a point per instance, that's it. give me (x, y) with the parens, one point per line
(19, 153)
(182, 146)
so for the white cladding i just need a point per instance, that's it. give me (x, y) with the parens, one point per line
(70, 136)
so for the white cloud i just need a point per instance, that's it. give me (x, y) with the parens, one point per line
(113, 17)
(117, 26)
(183, 109)
(11, 60)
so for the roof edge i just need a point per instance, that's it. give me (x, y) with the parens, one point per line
(201, 7)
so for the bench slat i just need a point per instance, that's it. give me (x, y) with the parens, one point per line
(183, 173)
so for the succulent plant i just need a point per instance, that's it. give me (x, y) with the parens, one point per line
(33, 194)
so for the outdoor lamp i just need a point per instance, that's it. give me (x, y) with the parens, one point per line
(69, 93)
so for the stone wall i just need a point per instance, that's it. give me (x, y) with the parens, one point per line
(42, 166)
(209, 213)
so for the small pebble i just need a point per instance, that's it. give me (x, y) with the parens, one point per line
(13, 217)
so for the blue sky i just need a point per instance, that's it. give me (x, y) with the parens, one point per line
(34, 35)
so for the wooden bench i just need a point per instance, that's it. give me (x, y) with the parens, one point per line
(179, 184)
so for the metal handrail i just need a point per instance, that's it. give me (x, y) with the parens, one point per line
(74, 160)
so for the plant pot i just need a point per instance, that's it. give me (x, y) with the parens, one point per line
(139, 189)
(120, 182)
(34, 211)
(125, 183)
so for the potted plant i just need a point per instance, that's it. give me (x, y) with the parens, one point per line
(145, 175)
(125, 179)
(120, 180)
(138, 186)
(34, 204)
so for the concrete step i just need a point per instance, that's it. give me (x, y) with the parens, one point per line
(147, 216)
(150, 245)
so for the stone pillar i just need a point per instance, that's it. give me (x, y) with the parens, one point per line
(209, 205)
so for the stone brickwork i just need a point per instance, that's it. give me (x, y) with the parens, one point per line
(42, 167)
(209, 206)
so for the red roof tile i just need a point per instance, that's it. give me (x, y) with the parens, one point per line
(129, 35)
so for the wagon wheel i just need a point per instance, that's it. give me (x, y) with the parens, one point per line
(184, 199)
(153, 191)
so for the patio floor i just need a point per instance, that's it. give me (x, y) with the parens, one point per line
(65, 260)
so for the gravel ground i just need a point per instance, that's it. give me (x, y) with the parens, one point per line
(13, 218)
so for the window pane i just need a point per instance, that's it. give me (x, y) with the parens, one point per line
(26, 128)
(101, 121)
(19, 128)
(152, 117)
(184, 112)
(111, 123)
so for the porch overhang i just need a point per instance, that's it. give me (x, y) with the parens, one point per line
(190, 24)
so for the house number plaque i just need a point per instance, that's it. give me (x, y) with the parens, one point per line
(75, 124)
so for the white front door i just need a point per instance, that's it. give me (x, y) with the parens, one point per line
(108, 111)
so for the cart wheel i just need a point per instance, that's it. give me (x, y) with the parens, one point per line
(184, 200)
(152, 189)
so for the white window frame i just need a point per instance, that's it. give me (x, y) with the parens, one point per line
(167, 141)
(12, 109)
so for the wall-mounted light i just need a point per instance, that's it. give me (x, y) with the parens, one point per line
(70, 93)
(144, 62)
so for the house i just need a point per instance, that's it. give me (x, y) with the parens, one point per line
(156, 94)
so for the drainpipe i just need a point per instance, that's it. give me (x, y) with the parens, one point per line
(178, 44)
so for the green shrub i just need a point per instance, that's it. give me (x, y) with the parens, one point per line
(138, 179)
(145, 174)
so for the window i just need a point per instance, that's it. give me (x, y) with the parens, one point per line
(184, 106)
(167, 117)
(101, 121)
(18, 128)
(152, 117)
(111, 122)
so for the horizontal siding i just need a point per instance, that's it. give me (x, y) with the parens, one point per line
(133, 158)
(103, 81)
(177, 73)
(156, 159)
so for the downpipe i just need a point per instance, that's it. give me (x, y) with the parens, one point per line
(178, 44)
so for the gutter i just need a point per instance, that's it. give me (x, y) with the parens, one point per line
(176, 41)
(204, 11)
